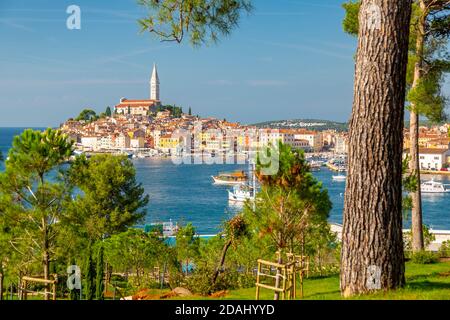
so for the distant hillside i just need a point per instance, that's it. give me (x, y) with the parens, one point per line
(312, 124)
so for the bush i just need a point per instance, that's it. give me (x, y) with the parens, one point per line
(428, 238)
(200, 281)
(444, 250)
(424, 257)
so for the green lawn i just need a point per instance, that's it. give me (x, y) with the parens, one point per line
(430, 281)
(423, 282)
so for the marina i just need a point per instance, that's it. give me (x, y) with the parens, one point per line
(186, 192)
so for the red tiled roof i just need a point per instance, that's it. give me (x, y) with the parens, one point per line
(136, 103)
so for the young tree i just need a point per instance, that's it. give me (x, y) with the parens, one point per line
(33, 193)
(187, 245)
(190, 111)
(290, 204)
(372, 243)
(87, 115)
(110, 200)
(99, 279)
(235, 229)
(134, 251)
(426, 95)
(108, 111)
(89, 276)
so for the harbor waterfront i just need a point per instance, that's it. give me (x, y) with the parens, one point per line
(186, 193)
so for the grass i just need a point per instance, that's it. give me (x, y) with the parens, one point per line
(423, 282)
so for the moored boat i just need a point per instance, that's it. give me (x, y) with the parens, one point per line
(241, 193)
(433, 187)
(339, 178)
(233, 178)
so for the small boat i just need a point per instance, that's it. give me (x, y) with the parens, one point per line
(233, 178)
(339, 178)
(433, 187)
(240, 193)
(166, 229)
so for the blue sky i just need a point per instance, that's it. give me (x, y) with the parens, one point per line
(289, 59)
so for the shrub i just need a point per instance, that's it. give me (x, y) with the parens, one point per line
(428, 238)
(200, 281)
(424, 257)
(444, 250)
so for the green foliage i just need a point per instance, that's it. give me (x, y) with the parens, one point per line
(99, 284)
(424, 257)
(203, 21)
(190, 111)
(291, 206)
(137, 252)
(175, 111)
(89, 276)
(108, 112)
(87, 115)
(427, 96)
(236, 272)
(351, 21)
(31, 196)
(444, 250)
(410, 183)
(110, 200)
(200, 281)
(187, 245)
(428, 238)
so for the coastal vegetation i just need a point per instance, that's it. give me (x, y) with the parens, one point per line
(56, 213)
(372, 234)
(52, 212)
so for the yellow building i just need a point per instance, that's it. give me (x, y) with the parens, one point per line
(169, 144)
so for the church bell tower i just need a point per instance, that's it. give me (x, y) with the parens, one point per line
(154, 84)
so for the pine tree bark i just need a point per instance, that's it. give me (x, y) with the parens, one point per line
(372, 231)
(417, 243)
(222, 261)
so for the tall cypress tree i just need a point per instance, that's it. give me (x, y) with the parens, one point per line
(99, 284)
(108, 111)
(89, 286)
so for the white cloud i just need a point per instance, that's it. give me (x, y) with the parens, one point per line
(267, 83)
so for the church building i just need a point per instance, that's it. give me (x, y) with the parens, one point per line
(142, 107)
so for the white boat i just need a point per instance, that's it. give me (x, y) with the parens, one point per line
(339, 178)
(240, 193)
(234, 178)
(433, 187)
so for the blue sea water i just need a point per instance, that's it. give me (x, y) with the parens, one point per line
(185, 193)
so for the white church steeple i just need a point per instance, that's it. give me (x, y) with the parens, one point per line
(154, 84)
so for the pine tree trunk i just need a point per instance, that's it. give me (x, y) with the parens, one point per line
(222, 261)
(372, 231)
(417, 242)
